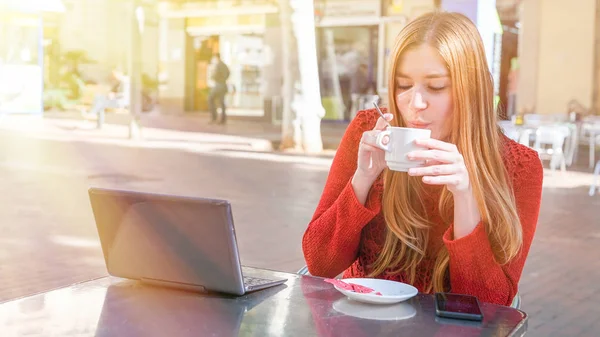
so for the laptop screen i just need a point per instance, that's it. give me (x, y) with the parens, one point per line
(167, 238)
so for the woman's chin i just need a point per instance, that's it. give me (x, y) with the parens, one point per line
(435, 134)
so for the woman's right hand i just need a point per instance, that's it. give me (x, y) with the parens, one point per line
(371, 159)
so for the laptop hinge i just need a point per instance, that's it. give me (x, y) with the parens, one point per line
(172, 284)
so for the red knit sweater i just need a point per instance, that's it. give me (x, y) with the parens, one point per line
(345, 236)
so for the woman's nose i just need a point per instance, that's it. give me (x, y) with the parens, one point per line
(417, 101)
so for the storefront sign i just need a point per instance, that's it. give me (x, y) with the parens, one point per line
(226, 24)
(408, 8)
(347, 8)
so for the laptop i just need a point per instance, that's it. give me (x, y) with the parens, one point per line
(131, 310)
(175, 241)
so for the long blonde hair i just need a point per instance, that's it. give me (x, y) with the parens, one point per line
(474, 131)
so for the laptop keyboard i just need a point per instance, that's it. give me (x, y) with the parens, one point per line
(255, 281)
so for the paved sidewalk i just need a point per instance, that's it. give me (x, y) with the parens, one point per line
(85, 130)
(157, 124)
(331, 131)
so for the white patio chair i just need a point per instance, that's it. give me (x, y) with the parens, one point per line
(553, 136)
(534, 120)
(590, 135)
(596, 182)
(525, 137)
(572, 143)
(559, 117)
(303, 271)
(509, 130)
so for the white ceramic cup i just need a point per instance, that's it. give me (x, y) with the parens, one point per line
(401, 142)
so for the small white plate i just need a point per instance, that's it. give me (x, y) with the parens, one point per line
(391, 291)
(392, 312)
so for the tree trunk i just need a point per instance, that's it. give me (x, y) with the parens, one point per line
(302, 96)
(288, 66)
(310, 109)
(135, 70)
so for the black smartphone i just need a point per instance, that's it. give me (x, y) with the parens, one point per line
(458, 306)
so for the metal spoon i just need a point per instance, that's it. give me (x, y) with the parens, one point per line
(380, 113)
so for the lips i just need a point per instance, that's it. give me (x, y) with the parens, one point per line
(418, 125)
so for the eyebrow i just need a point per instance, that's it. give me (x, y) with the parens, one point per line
(433, 75)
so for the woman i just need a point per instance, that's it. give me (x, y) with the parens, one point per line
(464, 222)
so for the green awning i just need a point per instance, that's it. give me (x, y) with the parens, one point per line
(497, 23)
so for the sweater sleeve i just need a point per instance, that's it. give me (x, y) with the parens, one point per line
(473, 268)
(330, 243)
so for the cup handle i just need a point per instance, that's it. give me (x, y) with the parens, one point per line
(379, 140)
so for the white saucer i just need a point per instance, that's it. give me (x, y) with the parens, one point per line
(391, 291)
(393, 312)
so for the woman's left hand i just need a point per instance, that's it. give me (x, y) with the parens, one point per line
(444, 165)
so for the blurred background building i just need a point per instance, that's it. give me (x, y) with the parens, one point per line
(247, 36)
(521, 38)
(25, 26)
(542, 60)
(559, 54)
